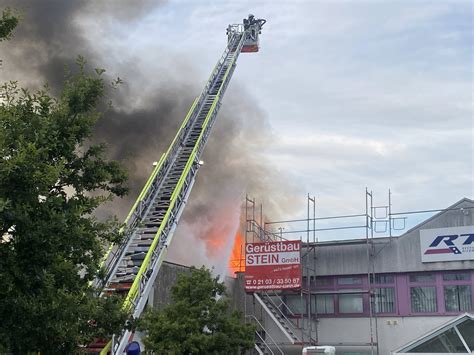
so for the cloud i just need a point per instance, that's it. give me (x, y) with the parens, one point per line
(343, 95)
(159, 88)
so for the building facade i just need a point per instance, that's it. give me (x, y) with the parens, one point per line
(374, 296)
(364, 296)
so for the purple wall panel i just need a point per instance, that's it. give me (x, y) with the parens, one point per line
(403, 294)
(440, 293)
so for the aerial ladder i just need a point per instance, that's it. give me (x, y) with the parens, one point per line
(131, 266)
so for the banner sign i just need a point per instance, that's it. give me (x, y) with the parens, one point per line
(447, 244)
(273, 265)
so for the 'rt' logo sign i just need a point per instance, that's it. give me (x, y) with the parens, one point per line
(449, 246)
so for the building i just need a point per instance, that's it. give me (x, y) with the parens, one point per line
(389, 295)
(375, 296)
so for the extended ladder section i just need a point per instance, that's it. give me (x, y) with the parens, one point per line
(132, 266)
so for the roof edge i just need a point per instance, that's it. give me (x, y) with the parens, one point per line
(432, 333)
(419, 225)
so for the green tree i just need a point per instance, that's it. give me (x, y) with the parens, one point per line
(198, 321)
(8, 22)
(51, 182)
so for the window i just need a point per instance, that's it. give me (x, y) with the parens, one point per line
(296, 304)
(324, 304)
(466, 329)
(446, 342)
(349, 281)
(384, 300)
(382, 279)
(423, 299)
(351, 303)
(456, 277)
(324, 281)
(457, 298)
(422, 278)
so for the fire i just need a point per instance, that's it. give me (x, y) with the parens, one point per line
(224, 243)
(214, 244)
(237, 256)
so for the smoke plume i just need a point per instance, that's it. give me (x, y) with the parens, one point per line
(145, 117)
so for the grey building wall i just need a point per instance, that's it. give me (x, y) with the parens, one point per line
(402, 254)
(239, 300)
(398, 254)
(166, 278)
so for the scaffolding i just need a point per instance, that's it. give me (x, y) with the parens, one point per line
(279, 230)
(376, 221)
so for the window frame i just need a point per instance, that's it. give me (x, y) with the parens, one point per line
(469, 282)
(432, 274)
(392, 285)
(351, 285)
(412, 312)
(433, 283)
(402, 288)
(363, 299)
(373, 279)
(296, 314)
(333, 299)
(329, 286)
(374, 300)
(467, 272)
(457, 290)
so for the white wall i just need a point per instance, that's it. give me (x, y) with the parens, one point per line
(393, 332)
(353, 334)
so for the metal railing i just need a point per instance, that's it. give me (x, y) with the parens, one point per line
(282, 308)
(267, 345)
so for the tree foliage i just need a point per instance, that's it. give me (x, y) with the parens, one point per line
(199, 320)
(8, 22)
(51, 181)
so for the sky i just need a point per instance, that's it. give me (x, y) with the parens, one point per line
(343, 95)
(356, 94)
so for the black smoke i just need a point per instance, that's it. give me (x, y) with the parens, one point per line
(142, 122)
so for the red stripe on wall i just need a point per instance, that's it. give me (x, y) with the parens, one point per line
(438, 251)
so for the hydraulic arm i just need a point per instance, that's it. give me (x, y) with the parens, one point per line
(132, 266)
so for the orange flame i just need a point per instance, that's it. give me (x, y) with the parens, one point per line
(237, 256)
